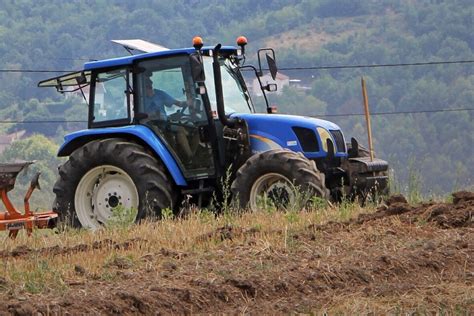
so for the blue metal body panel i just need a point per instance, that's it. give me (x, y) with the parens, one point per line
(267, 131)
(271, 131)
(142, 132)
(128, 60)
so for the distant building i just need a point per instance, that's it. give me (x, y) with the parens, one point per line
(99, 92)
(299, 84)
(7, 140)
(281, 81)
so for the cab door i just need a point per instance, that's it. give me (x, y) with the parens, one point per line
(175, 112)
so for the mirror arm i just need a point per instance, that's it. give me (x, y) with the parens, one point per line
(269, 109)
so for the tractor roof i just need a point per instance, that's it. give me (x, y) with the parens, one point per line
(128, 60)
(79, 79)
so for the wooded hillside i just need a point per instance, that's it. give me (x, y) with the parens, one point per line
(431, 151)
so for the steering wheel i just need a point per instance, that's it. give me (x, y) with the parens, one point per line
(184, 108)
(181, 117)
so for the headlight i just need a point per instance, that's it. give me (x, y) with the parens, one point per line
(324, 134)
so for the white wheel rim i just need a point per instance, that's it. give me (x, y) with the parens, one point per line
(99, 191)
(265, 186)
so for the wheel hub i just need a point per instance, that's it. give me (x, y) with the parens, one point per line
(278, 194)
(113, 201)
(100, 191)
(272, 190)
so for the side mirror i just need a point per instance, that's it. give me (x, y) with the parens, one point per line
(197, 68)
(272, 66)
(271, 87)
(270, 56)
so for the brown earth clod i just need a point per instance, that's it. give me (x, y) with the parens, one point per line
(24, 251)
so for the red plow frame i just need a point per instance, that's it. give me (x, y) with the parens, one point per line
(13, 220)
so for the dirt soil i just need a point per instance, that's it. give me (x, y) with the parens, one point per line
(402, 258)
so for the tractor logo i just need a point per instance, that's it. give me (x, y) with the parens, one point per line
(15, 226)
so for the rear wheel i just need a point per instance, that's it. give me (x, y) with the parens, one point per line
(277, 178)
(108, 175)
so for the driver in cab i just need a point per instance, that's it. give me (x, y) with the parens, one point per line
(155, 101)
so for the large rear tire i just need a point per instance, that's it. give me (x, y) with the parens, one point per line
(284, 177)
(109, 173)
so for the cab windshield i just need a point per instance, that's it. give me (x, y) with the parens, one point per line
(236, 99)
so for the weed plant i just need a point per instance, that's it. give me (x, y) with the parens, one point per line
(122, 217)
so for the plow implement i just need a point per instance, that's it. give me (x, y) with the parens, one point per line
(12, 219)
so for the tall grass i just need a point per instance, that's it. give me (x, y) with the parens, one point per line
(42, 272)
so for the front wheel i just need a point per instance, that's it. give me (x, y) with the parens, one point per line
(110, 175)
(278, 178)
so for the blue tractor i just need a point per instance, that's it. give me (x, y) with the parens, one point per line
(169, 125)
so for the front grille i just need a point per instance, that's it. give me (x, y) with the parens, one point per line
(307, 139)
(337, 135)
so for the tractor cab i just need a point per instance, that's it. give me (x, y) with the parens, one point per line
(175, 94)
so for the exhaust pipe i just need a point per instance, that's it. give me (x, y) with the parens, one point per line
(218, 86)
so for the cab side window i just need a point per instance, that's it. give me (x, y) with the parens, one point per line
(111, 99)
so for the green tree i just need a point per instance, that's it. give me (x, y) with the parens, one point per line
(40, 149)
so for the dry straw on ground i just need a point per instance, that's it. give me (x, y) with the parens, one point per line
(396, 259)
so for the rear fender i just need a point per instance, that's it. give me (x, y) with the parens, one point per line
(138, 133)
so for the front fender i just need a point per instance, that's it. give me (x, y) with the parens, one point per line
(261, 141)
(139, 133)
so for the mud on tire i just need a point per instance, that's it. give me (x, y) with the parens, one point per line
(138, 178)
(277, 172)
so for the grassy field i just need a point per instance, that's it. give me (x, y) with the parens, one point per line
(393, 259)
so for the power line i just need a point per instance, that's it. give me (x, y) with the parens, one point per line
(379, 65)
(39, 122)
(396, 113)
(323, 115)
(69, 58)
(34, 71)
(431, 63)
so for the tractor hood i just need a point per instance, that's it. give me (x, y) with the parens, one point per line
(259, 119)
(297, 133)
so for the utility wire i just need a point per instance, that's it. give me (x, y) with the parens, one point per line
(396, 113)
(288, 68)
(34, 71)
(380, 65)
(39, 122)
(323, 115)
(68, 58)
